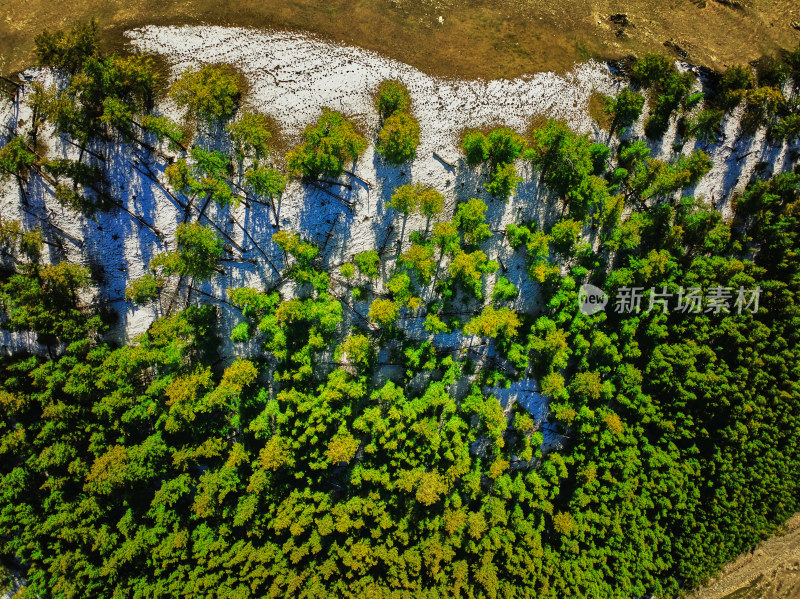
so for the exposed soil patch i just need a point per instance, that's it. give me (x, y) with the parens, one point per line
(484, 38)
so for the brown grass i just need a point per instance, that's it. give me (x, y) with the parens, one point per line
(597, 110)
(483, 38)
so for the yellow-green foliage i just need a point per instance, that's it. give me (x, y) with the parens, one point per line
(210, 92)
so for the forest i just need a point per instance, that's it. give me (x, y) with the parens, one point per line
(163, 467)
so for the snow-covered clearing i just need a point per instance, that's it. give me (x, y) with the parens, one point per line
(291, 77)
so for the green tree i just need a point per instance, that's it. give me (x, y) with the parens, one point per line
(392, 97)
(500, 147)
(505, 146)
(787, 128)
(368, 263)
(469, 268)
(357, 350)
(251, 134)
(416, 197)
(476, 147)
(44, 299)
(706, 126)
(209, 93)
(471, 219)
(67, 50)
(445, 237)
(625, 108)
(267, 183)
(504, 290)
(562, 156)
(502, 322)
(431, 203)
(761, 106)
(503, 181)
(16, 159)
(383, 312)
(197, 255)
(419, 259)
(670, 90)
(165, 128)
(15, 241)
(733, 85)
(651, 69)
(325, 147)
(564, 235)
(144, 289)
(398, 138)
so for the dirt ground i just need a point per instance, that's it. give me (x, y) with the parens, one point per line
(466, 38)
(772, 571)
